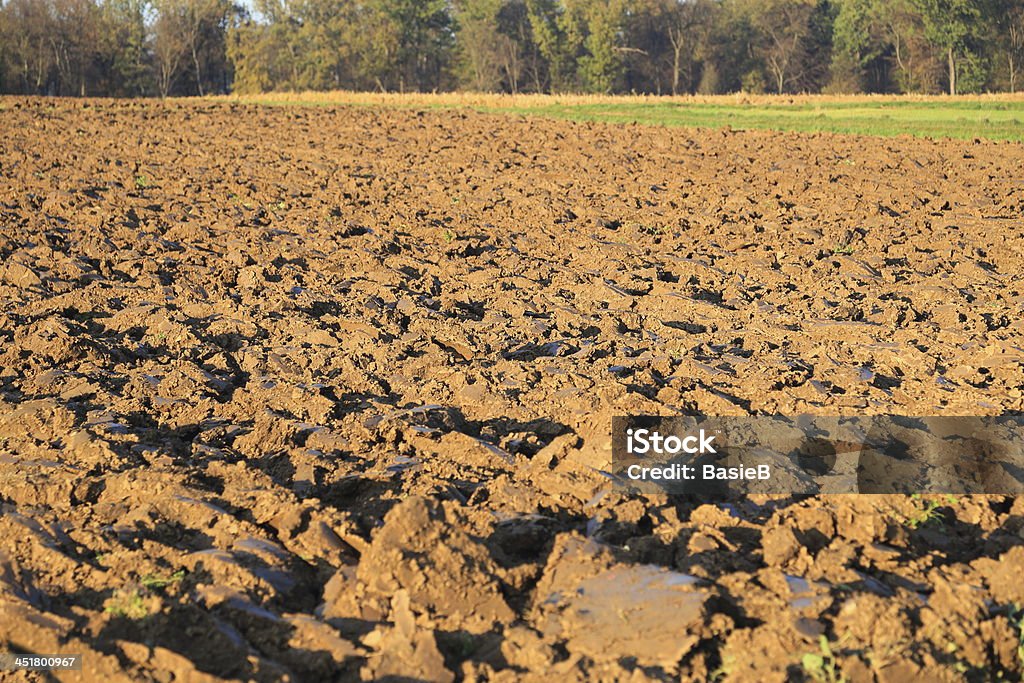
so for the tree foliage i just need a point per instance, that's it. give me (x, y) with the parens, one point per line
(194, 47)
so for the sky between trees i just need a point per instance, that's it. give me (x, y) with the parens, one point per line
(198, 47)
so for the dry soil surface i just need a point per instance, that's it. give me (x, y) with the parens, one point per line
(326, 393)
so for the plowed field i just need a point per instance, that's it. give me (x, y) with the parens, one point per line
(292, 393)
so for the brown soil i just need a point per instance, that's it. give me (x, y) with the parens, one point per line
(326, 393)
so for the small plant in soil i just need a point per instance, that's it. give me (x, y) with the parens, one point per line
(928, 511)
(157, 581)
(130, 605)
(845, 249)
(821, 665)
(141, 182)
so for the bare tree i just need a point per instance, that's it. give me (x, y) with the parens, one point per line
(170, 43)
(28, 25)
(1016, 38)
(205, 29)
(683, 20)
(181, 33)
(785, 24)
(1011, 22)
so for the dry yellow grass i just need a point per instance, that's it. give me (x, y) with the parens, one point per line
(531, 100)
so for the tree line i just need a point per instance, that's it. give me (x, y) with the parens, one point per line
(196, 47)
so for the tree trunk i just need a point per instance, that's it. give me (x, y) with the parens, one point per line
(780, 76)
(1011, 51)
(199, 75)
(675, 73)
(677, 52)
(952, 72)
